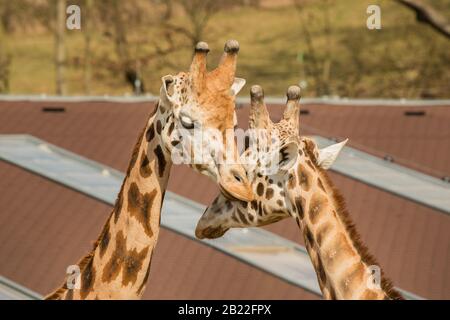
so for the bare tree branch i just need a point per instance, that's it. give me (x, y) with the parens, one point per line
(87, 49)
(60, 55)
(427, 14)
(5, 61)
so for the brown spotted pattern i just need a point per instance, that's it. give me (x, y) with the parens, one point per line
(317, 207)
(150, 134)
(147, 273)
(320, 184)
(140, 206)
(292, 181)
(305, 178)
(144, 168)
(260, 189)
(130, 261)
(87, 278)
(104, 239)
(132, 264)
(300, 205)
(69, 295)
(269, 193)
(321, 271)
(161, 160)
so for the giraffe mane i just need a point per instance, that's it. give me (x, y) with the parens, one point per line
(57, 294)
(344, 215)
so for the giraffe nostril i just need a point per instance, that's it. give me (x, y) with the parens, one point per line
(238, 178)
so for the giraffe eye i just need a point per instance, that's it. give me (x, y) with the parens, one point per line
(237, 176)
(187, 122)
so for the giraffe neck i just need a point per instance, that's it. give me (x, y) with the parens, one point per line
(344, 268)
(119, 265)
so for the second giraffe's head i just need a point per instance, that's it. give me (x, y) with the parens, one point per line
(276, 191)
(197, 117)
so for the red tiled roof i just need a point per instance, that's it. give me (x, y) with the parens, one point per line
(43, 225)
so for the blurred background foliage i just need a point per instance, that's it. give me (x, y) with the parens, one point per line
(323, 45)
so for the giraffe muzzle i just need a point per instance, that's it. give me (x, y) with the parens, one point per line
(209, 232)
(234, 184)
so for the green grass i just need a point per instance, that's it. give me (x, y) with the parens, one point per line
(404, 59)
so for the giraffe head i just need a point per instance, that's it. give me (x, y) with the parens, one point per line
(198, 118)
(273, 189)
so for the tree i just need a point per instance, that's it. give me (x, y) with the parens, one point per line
(427, 14)
(5, 61)
(198, 13)
(88, 17)
(128, 25)
(121, 21)
(60, 55)
(317, 63)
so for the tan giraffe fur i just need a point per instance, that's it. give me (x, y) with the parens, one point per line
(301, 189)
(119, 264)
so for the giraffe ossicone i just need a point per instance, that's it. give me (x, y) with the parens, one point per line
(301, 189)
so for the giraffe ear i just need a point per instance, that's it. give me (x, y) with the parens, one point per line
(237, 85)
(288, 156)
(167, 89)
(328, 155)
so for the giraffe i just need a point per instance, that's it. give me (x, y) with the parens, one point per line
(119, 264)
(300, 188)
